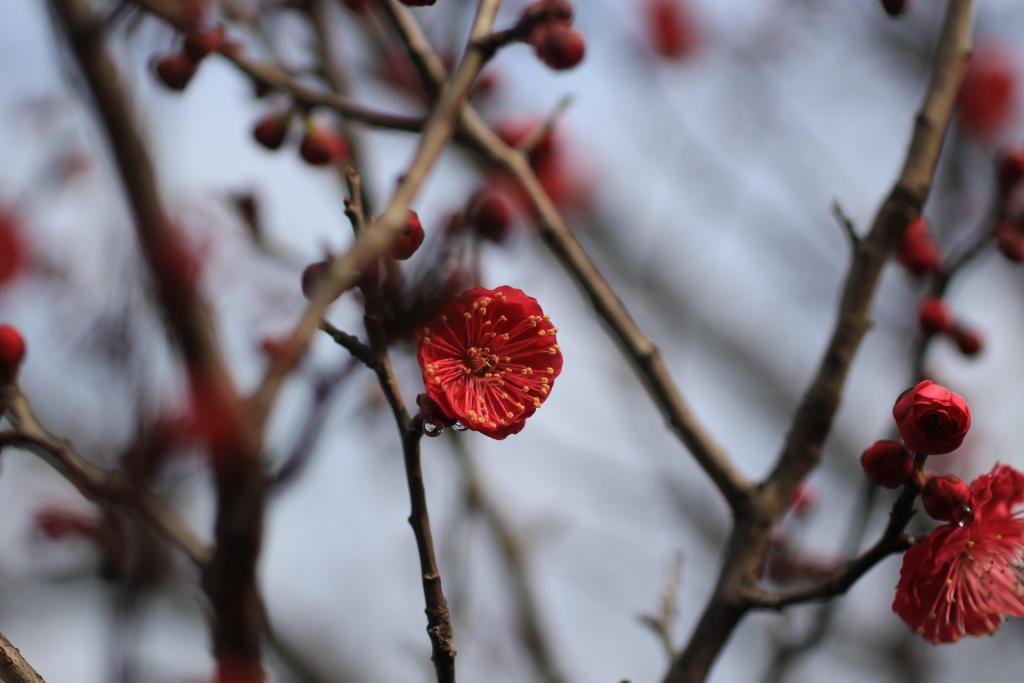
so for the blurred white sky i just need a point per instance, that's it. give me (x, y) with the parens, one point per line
(716, 175)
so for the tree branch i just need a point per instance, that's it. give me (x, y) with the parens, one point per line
(812, 421)
(13, 667)
(344, 270)
(108, 489)
(645, 356)
(229, 578)
(892, 540)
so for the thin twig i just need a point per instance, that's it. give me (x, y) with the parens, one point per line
(892, 540)
(530, 142)
(668, 609)
(846, 224)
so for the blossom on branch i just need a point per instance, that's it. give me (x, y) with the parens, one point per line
(489, 359)
(966, 576)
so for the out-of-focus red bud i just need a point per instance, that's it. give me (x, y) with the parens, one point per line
(968, 340)
(410, 239)
(490, 214)
(894, 8)
(988, 92)
(560, 46)
(934, 316)
(175, 70)
(12, 351)
(671, 28)
(272, 129)
(198, 44)
(321, 146)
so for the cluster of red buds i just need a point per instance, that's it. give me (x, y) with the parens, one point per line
(547, 25)
(177, 69)
(405, 245)
(931, 420)
(320, 145)
(963, 577)
(920, 256)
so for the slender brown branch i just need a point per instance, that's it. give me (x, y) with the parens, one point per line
(14, 668)
(229, 578)
(439, 625)
(351, 343)
(275, 77)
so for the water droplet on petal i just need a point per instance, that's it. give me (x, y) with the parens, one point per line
(459, 427)
(431, 429)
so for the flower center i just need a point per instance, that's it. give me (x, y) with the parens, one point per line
(480, 361)
(938, 425)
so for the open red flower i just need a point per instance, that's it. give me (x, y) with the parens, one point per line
(965, 577)
(489, 359)
(931, 418)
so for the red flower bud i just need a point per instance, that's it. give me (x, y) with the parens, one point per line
(934, 315)
(1010, 169)
(547, 10)
(894, 8)
(887, 464)
(803, 500)
(58, 523)
(358, 6)
(931, 418)
(12, 247)
(947, 498)
(198, 44)
(969, 341)
(671, 28)
(560, 47)
(321, 146)
(175, 70)
(272, 129)
(917, 251)
(12, 351)
(1010, 240)
(410, 239)
(311, 277)
(987, 92)
(490, 214)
